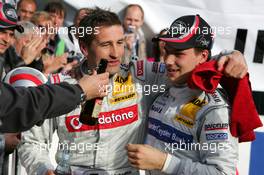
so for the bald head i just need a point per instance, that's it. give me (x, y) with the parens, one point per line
(134, 16)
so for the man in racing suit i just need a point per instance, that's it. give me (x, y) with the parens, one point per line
(100, 149)
(188, 129)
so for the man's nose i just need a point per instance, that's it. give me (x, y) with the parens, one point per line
(133, 23)
(7, 38)
(169, 59)
(28, 15)
(114, 52)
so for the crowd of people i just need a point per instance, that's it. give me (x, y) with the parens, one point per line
(149, 118)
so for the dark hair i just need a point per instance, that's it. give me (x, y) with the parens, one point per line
(155, 44)
(87, 11)
(20, 2)
(97, 18)
(55, 7)
(134, 5)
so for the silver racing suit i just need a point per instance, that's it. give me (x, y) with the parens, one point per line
(98, 149)
(193, 128)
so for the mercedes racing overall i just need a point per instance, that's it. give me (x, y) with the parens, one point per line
(193, 128)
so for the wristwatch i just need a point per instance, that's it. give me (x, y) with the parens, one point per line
(83, 95)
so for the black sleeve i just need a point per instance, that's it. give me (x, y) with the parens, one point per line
(37, 64)
(21, 108)
(12, 60)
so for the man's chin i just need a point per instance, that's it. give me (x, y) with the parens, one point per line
(2, 51)
(113, 70)
(178, 81)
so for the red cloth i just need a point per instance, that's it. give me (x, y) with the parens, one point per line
(151, 59)
(244, 115)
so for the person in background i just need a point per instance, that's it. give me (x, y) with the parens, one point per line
(135, 39)
(49, 62)
(81, 13)
(158, 47)
(28, 45)
(69, 35)
(26, 9)
(57, 13)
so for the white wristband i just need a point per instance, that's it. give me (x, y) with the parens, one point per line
(167, 162)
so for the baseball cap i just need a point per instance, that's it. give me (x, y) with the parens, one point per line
(8, 17)
(190, 31)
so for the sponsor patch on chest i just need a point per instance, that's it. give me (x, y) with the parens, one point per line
(167, 133)
(123, 98)
(184, 121)
(140, 68)
(217, 136)
(156, 108)
(123, 86)
(191, 108)
(162, 68)
(216, 126)
(106, 120)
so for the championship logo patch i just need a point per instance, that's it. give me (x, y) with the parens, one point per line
(191, 108)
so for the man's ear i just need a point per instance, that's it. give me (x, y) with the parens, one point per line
(204, 56)
(83, 49)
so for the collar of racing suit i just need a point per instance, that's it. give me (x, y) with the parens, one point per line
(183, 91)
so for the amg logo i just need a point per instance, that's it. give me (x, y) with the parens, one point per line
(216, 126)
(120, 79)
